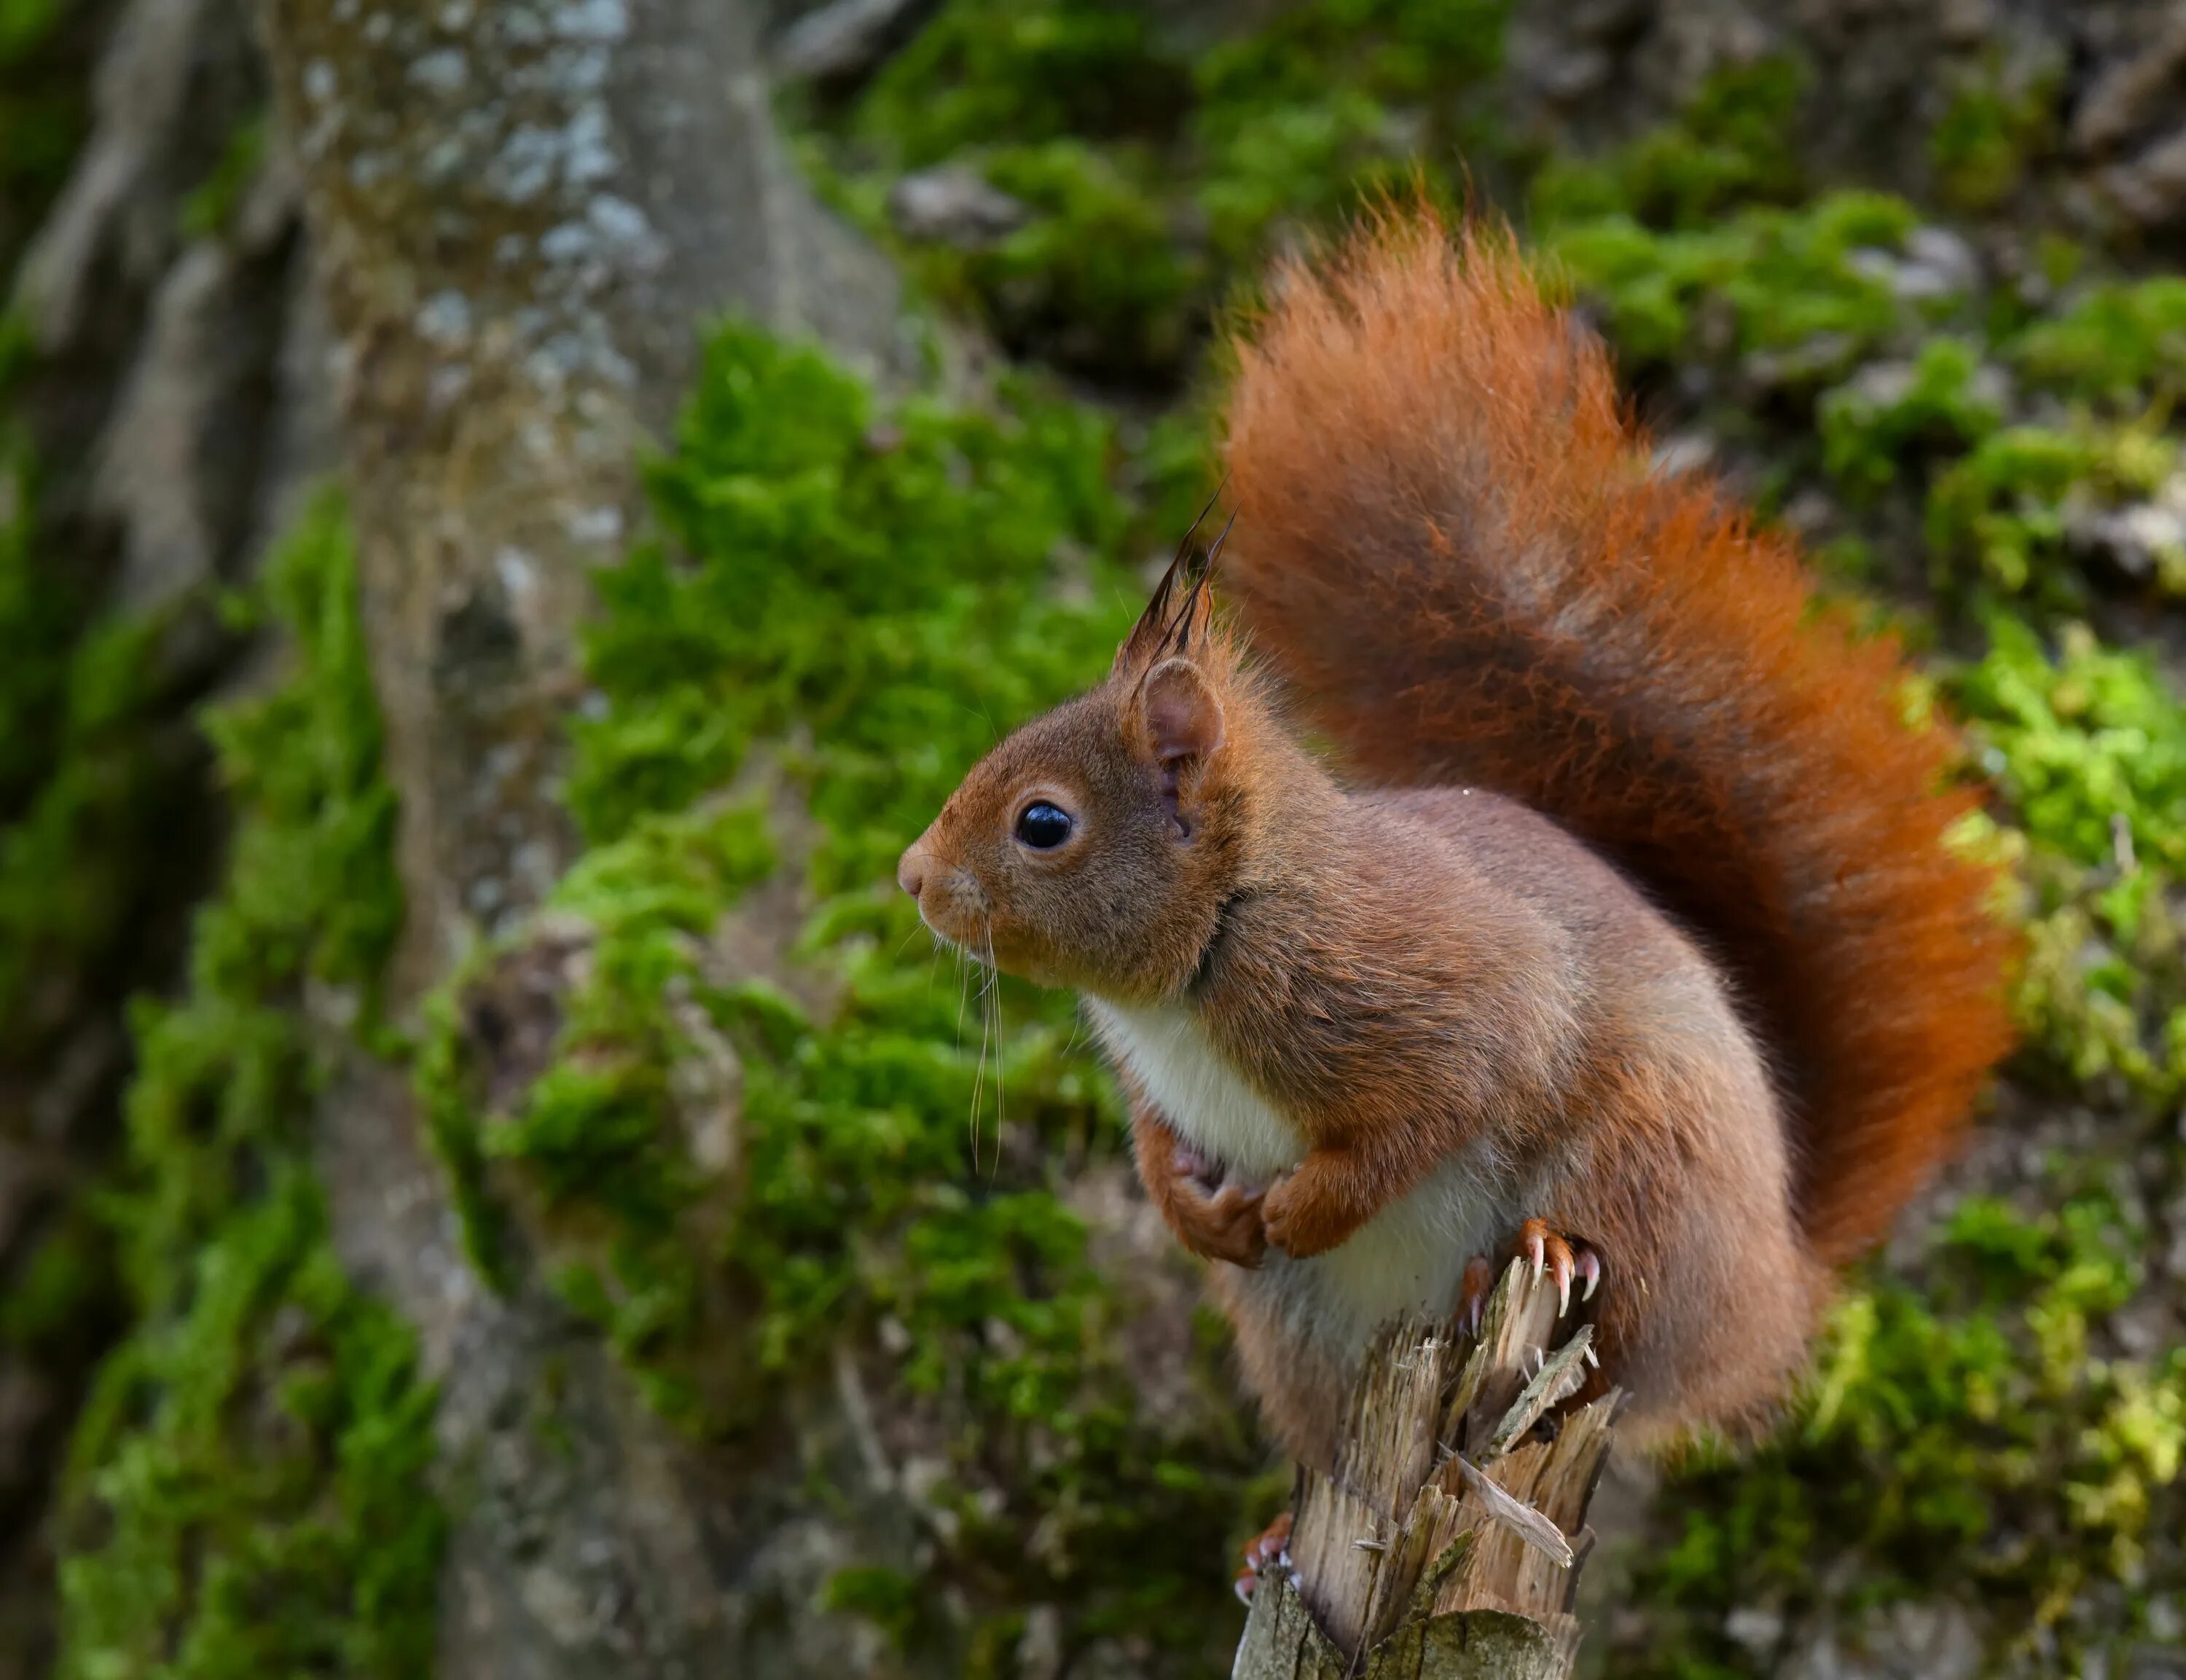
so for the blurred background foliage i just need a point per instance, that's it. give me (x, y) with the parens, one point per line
(1954, 383)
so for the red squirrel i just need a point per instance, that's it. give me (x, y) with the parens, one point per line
(1615, 923)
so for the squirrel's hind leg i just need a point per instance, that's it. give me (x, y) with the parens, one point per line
(1270, 1548)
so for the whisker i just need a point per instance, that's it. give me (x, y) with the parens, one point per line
(979, 1074)
(995, 1015)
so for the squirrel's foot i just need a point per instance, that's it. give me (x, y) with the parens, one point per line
(1270, 1546)
(1568, 1260)
(1572, 1261)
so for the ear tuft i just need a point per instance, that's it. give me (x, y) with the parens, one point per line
(1183, 714)
(1170, 625)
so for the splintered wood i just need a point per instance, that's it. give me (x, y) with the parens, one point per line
(1447, 1546)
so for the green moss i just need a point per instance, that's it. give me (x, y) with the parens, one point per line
(25, 25)
(1696, 242)
(888, 1597)
(1958, 1440)
(1151, 184)
(1735, 146)
(1786, 282)
(857, 600)
(2091, 746)
(1827, 339)
(986, 71)
(2002, 514)
(246, 1491)
(1295, 123)
(2120, 344)
(2084, 745)
(1869, 436)
(1096, 272)
(1991, 133)
(74, 866)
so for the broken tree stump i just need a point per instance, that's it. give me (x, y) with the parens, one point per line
(1447, 1543)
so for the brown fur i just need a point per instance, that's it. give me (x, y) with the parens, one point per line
(1449, 546)
(1450, 543)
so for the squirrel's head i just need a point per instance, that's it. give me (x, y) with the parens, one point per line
(1095, 847)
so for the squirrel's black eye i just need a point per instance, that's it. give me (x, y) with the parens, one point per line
(1043, 827)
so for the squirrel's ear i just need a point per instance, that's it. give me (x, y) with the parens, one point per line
(1183, 714)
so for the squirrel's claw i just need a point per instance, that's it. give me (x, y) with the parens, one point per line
(1566, 1259)
(1549, 1253)
(1472, 1295)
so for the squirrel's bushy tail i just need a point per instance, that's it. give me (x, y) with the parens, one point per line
(1452, 543)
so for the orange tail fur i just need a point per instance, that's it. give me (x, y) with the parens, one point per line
(1451, 542)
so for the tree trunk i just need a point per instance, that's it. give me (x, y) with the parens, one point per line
(1447, 1543)
(522, 215)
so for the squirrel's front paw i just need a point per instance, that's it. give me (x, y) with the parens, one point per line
(1303, 1218)
(1213, 1216)
(1227, 1225)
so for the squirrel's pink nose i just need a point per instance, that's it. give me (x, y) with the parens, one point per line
(910, 873)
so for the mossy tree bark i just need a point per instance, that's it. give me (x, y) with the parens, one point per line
(1447, 1543)
(522, 214)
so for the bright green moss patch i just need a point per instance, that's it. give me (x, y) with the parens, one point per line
(2090, 745)
(2121, 343)
(896, 584)
(1787, 282)
(2091, 748)
(730, 1170)
(246, 1490)
(2003, 513)
(1873, 355)
(1698, 241)
(1962, 1439)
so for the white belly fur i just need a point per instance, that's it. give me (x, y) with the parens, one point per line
(1410, 1259)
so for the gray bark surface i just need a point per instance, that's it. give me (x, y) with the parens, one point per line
(522, 216)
